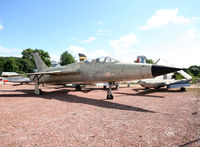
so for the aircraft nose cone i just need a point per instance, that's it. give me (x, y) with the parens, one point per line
(158, 70)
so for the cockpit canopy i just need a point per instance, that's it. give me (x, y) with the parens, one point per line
(103, 60)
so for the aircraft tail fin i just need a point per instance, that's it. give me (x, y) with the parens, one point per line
(82, 57)
(141, 59)
(184, 74)
(39, 63)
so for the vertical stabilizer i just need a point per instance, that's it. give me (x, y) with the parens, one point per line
(141, 59)
(39, 63)
(82, 57)
(184, 74)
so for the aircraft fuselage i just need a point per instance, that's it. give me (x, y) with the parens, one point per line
(99, 72)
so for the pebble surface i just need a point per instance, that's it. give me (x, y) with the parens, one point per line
(65, 117)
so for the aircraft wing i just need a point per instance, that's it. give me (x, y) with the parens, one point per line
(58, 72)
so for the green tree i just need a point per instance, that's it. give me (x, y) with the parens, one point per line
(25, 65)
(11, 65)
(27, 54)
(44, 55)
(2, 62)
(66, 58)
(150, 61)
(195, 70)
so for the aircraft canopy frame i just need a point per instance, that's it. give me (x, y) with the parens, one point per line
(103, 59)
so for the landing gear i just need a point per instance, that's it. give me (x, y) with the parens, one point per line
(37, 90)
(182, 89)
(117, 86)
(109, 93)
(110, 97)
(157, 87)
(78, 87)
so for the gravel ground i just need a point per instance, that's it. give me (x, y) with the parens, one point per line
(64, 117)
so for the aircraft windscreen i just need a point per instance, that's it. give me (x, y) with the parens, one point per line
(106, 59)
(88, 61)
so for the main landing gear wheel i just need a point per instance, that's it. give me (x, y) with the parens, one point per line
(38, 91)
(109, 96)
(109, 93)
(78, 87)
(117, 86)
(157, 87)
(182, 89)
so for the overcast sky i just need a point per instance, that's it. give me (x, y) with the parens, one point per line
(122, 29)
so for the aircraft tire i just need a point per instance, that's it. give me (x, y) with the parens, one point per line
(182, 89)
(167, 87)
(158, 87)
(109, 96)
(117, 87)
(78, 88)
(40, 91)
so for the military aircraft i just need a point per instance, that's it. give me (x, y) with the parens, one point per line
(17, 79)
(167, 80)
(100, 70)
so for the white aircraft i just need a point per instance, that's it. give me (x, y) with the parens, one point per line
(165, 80)
(16, 79)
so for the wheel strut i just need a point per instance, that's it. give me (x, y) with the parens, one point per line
(109, 93)
(37, 90)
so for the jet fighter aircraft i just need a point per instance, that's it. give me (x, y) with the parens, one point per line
(100, 70)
